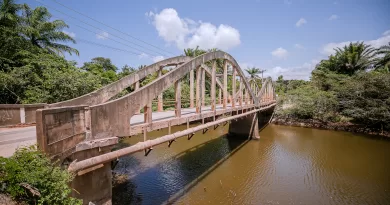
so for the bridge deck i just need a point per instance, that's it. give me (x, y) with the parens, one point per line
(12, 138)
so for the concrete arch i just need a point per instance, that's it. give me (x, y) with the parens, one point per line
(105, 93)
(108, 119)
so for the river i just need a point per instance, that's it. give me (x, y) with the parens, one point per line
(288, 165)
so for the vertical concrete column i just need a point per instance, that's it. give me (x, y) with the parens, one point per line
(192, 88)
(148, 113)
(245, 127)
(198, 89)
(240, 91)
(203, 87)
(22, 115)
(178, 98)
(234, 88)
(213, 82)
(136, 88)
(225, 80)
(219, 96)
(160, 97)
(247, 96)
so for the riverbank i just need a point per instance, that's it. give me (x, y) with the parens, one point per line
(339, 126)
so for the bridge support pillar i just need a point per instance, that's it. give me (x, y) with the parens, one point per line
(93, 184)
(203, 87)
(192, 88)
(225, 81)
(178, 98)
(160, 107)
(136, 88)
(245, 127)
(234, 88)
(198, 90)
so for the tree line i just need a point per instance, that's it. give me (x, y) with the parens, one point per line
(351, 86)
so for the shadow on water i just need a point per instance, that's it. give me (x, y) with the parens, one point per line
(171, 178)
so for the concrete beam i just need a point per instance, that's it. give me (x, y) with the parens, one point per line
(198, 90)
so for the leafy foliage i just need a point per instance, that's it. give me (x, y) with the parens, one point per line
(31, 177)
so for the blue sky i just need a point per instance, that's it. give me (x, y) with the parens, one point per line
(285, 37)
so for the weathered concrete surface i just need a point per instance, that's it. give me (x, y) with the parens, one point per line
(13, 114)
(95, 185)
(107, 118)
(109, 91)
(62, 129)
(12, 138)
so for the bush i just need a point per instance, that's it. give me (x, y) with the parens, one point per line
(30, 176)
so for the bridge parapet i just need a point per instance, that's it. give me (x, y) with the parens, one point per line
(13, 114)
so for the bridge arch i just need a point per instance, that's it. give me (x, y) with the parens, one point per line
(107, 92)
(109, 119)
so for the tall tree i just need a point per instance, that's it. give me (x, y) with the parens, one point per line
(353, 57)
(43, 33)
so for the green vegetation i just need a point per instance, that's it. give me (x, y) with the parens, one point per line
(352, 86)
(29, 176)
(32, 66)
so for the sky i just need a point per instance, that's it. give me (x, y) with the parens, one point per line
(283, 37)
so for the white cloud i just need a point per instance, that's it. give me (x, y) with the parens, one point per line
(71, 34)
(301, 72)
(103, 35)
(300, 22)
(299, 46)
(328, 49)
(187, 33)
(143, 55)
(280, 53)
(333, 17)
(158, 58)
(386, 33)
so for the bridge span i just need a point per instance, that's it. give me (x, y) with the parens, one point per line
(81, 133)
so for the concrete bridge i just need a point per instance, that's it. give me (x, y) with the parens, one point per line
(81, 133)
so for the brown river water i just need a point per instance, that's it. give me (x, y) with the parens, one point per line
(288, 165)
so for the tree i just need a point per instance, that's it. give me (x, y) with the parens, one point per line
(8, 13)
(366, 99)
(349, 59)
(383, 61)
(42, 33)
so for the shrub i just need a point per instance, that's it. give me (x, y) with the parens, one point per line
(30, 176)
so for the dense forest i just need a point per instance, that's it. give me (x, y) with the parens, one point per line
(351, 86)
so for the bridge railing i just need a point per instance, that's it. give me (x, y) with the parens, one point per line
(14, 114)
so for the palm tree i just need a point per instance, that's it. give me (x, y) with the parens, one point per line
(8, 13)
(45, 34)
(383, 61)
(194, 52)
(253, 75)
(354, 57)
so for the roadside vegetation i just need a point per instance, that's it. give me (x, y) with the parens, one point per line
(29, 177)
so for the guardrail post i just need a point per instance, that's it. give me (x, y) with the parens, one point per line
(234, 88)
(198, 90)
